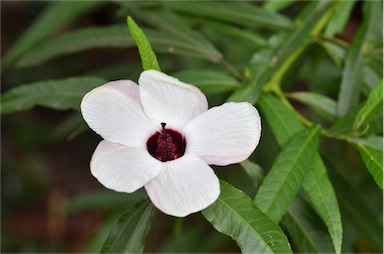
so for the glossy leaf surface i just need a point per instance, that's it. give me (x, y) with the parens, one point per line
(373, 107)
(323, 198)
(287, 175)
(285, 124)
(371, 151)
(236, 215)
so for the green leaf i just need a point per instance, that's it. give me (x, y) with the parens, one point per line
(96, 242)
(323, 198)
(273, 5)
(57, 94)
(373, 107)
(148, 57)
(234, 214)
(353, 73)
(254, 171)
(251, 37)
(357, 212)
(76, 41)
(236, 13)
(339, 18)
(209, 81)
(281, 118)
(323, 105)
(172, 24)
(129, 233)
(287, 175)
(52, 18)
(289, 44)
(168, 43)
(305, 229)
(342, 125)
(285, 125)
(371, 151)
(335, 51)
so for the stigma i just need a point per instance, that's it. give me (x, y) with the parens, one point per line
(166, 145)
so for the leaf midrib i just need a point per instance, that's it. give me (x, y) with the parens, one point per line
(331, 222)
(294, 162)
(281, 121)
(302, 228)
(245, 221)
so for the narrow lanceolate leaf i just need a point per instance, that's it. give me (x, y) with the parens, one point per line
(335, 51)
(209, 81)
(371, 151)
(373, 107)
(307, 232)
(290, 43)
(251, 37)
(129, 233)
(287, 175)
(357, 212)
(326, 107)
(148, 57)
(76, 41)
(254, 171)
(353, 73)
(236, 215)
(285, 125)
(340, 17)
(53, 17)
(168, 43)
(323, 198)
(174, 25)
(277, 6)
(281, 118)
(57, 94)
(236, 13)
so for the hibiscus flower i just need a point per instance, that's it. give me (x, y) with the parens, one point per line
(160, 135)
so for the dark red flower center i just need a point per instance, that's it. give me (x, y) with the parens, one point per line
(166, 145)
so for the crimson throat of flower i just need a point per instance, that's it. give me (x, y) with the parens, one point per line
(166, 145)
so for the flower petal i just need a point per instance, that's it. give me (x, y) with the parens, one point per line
(114, 112)
(122, 168)
(167, 99)
(224, 135)
(184, 186)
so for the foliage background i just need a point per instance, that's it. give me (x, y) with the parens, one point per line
(50, 202)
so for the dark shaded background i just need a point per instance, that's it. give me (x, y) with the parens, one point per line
(43, 175)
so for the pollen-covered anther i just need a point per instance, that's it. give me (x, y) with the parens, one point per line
(166, 145)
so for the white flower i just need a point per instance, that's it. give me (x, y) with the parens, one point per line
(160, 135)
